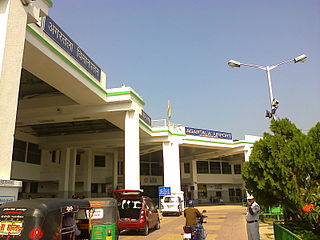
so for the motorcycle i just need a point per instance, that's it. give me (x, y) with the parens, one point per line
(194, 233)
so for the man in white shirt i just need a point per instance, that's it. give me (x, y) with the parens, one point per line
(252, 218)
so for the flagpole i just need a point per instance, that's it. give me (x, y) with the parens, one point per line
(169, 112)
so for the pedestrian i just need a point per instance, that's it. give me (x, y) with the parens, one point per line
(69, 225)
(252, 217)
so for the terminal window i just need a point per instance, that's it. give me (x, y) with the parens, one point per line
(226, 168)
(99, 161)
(19, 150)
(186, 167)
(34, 154)
(202, 167)
(237, 169)
(53, 156)
(215, 168)
(78, 158)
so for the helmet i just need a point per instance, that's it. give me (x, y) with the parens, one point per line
(190, 203)
(250, 197)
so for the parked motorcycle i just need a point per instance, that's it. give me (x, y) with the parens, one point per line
(194, 233)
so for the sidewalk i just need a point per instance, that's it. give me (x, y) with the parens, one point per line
(266, 230)
(224, 222)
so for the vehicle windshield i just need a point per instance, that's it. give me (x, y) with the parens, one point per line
(129, 209)
(169, 199)
(130, 203)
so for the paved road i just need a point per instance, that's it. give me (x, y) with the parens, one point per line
(225, 222)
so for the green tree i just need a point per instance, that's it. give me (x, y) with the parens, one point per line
(281, 167)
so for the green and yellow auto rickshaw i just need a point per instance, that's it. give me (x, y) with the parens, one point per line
(104, 219)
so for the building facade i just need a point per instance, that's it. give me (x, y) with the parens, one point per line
(65, 133)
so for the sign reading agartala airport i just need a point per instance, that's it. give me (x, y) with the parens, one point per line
(64, 41)
(207, 133)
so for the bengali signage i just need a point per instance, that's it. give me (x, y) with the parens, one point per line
(5, 199)
(98, 213)
(145, 117)
(10, 227)
(150, 180)
(10, 183)
(64, 41)
(207, 133)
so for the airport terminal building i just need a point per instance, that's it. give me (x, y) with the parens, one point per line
(64, 133)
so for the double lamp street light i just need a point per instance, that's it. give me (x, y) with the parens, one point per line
(273, 101)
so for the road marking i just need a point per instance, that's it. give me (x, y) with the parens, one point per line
(211, 237)
(214, 220)
(170, 236)
(180, 228)
(213, 227)
(127, 237)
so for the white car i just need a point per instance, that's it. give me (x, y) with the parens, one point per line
(171, 205)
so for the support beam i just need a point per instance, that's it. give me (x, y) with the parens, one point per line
(171, 166)
(88, 173)
(13, 19)
(115, 168)
(132, 155)
(194, 179)
(72, 172)
(65, 169)
(30, 116)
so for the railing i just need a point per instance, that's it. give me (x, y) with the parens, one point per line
(159, 123)
(273, 212)
(281, 233)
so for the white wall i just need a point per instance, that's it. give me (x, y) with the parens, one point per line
(48, 187)
(102, 174)
(25, 171)
(220, 178)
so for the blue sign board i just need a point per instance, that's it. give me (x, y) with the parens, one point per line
(207, 133)
(5, 199)
(164, 191)
(64, 41)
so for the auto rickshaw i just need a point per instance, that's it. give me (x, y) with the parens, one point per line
(104, 219)
(46, 219)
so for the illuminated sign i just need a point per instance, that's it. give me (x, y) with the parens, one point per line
(207, 133)
(10, 227)
(98, 213)
(64, 41)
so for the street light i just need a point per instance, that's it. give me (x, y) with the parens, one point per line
(273, 102)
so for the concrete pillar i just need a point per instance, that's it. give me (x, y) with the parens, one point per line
(64, 177)
(194, 179)
(88, 173)
(13, 20)
(99, 188)
(115, 168)
(171, 166)
(132, 151)
(72, 172)
(247, 155)
(27, 187)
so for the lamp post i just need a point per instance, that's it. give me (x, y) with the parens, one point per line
(273, 102)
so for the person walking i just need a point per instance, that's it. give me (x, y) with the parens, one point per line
(252, 218)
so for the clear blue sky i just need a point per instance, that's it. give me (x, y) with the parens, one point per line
(178, 50)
